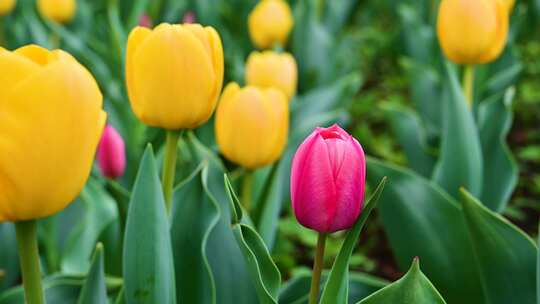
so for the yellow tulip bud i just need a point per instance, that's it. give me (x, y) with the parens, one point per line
(6, 6)
(473, 31)
(51, 121)
(270, 69)
(174, 74)
(270, 22)
(252, 125)
(61, 11)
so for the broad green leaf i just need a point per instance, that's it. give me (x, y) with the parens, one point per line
(264, 271)
(9, 258)
(501, 175)
(58, 289)
(94, 290)
(460, 162)
(98, 212)
(219, 267)
(411, 135)
(505, 255)
(148, 259)
(336, 13)
(194, 216)
(413, 288)
(296, 290)
(420, 219)
(336, 288)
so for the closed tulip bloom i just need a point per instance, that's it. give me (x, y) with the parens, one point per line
(174, 74)
(328, 180)
(270, 69)
(270, 22)
(111, 153)
(61, 11)
(6, 6)
(473, 31)
(51, 119)
(252, 125)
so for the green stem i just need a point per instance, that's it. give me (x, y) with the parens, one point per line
(121, 197)
(247, 185)
(468, 84)
(29, 257)
(169, 167)
(320, 8)
(2, 32)
(317, 269)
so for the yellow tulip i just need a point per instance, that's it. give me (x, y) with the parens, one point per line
(174, 74)
(270, 69)
(473, 31)
(51, 120)
(270, 22)
(61, 11)
(6, 6)
(252, 125)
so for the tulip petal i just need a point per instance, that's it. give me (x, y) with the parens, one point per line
(501, 36)
(15, 69)
(48, 136)
(136, 37)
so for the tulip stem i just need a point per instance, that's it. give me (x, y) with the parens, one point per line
(317, 269)
(468, 84)
(247, 185)
(169, 167)
(2, 33)
(28, 253)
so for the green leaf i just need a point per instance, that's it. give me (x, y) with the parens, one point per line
(98, 212)
(413, 288)
(420, 219)
(460, 163)
(505, 255)
(296, 290)
(412, 137)
(9, 258)
(335, 289)
(538, 269)
(94, 290)
(148, 261)
(264, 271)
(501, 175)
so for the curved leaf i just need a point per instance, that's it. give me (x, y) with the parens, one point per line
(505, 255)
(148, 261)
(460, 163)
(336, 287)
(420, 219)
(501, 175)
(9, 258)
(263, 269)
(413, 288)
(94, 290)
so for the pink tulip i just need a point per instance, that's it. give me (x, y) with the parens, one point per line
(189, 17)
(328, 180)
(111, 154)
(145, 21)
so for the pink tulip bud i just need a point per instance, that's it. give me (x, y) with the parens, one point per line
(145, 21)
(111, 154)
(328, 180)
(189, 17)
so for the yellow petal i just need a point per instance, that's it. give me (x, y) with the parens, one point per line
(61, 11)
(272, 70)
(15, 68)
(501, 37)
(173, 78)
(6, 6)
(49, 132)
(270, 22)
(136, 37)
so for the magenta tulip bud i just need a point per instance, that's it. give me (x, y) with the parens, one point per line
(111, 153)
(328, 180)
(145, 21)
(189, 17)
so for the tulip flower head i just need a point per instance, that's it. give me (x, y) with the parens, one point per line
(252, 125)
(174, 74)
(61, 11)
(189, 17)
(270, 22)
(6, 6)
(270, 69)
(473, 31)
(51, 119)
(111, 153)
(145, 21)
(328, 180)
